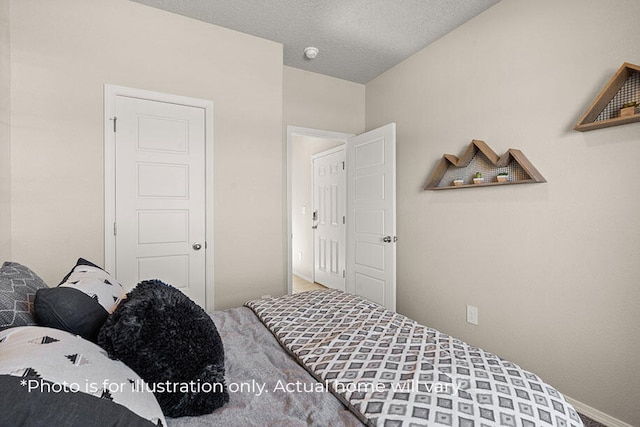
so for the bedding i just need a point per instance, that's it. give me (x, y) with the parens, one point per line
(49, 377)
(81, 303)
(392, 371)
(318, 358)
(258, 373)
(18, 287)
(168, 339)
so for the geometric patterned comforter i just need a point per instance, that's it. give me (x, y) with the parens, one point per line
(391, 371)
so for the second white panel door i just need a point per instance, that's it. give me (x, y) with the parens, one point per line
(329, 204)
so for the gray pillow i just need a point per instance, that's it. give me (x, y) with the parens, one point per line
(18, 286)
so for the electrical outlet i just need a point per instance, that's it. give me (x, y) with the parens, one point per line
(472, 314)
(265, 296)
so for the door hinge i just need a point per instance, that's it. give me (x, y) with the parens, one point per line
(115, 229)
(344, 219)
(344, 274)
(114, 120)
(343, 166)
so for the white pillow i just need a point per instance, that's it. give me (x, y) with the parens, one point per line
(52, 377)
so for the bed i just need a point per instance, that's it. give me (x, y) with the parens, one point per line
(358, 351)
(317, 358)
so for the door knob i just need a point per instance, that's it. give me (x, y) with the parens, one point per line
(387, 239)
(196, 246)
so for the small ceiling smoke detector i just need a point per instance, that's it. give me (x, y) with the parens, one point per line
(311, 52)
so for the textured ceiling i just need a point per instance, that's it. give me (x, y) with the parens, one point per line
(358, 39)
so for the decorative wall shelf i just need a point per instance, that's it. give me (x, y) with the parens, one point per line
(605, 111)
(478, 157)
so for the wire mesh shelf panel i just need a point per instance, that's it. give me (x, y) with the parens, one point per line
(480, 163)
(629, 92)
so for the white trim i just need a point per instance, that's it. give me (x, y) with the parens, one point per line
(110, 93)
(328, 152)
(595, 414)
(315, 133)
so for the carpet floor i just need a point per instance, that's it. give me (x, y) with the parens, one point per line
(588, 422)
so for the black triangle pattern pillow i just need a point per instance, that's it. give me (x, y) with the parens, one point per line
(81, 303)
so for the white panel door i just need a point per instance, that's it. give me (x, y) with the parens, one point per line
(329, 187)
(160, 194)
(371, 215)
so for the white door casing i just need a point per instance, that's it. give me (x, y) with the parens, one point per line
(371, 216)
(329, 205)
(160, 177)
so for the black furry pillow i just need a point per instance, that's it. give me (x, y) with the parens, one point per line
(173, 344)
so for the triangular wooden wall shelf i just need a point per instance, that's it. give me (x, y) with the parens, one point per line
(623, 87)
(478, 157)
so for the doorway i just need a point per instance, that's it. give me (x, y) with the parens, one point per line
(370, 211)
(302, 144)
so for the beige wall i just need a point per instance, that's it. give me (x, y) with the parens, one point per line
(553, 268)
(63, 54)
(5, 153)
(320, 102)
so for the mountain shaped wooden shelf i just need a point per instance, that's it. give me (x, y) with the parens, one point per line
(606, 110)
(478, 157)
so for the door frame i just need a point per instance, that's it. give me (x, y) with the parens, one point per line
(293, 131)
(110, 94)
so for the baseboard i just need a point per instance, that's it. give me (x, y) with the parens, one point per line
(596, 415)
